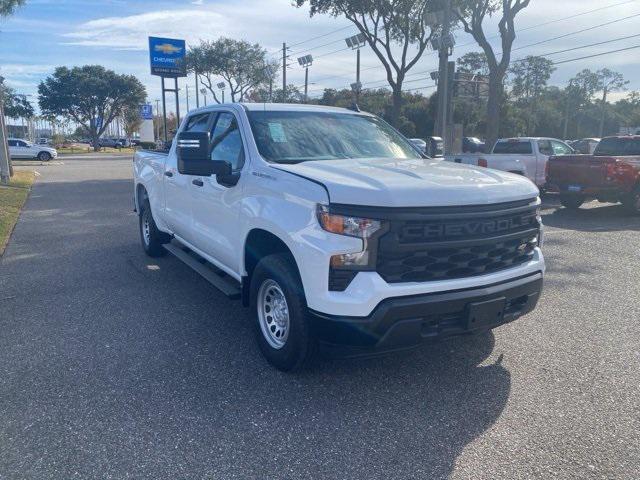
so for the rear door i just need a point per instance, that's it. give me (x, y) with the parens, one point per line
(177, 186)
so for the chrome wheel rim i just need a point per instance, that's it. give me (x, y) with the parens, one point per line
(146, 230)
(273, 314)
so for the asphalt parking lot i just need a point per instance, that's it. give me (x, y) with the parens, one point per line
(115, 365)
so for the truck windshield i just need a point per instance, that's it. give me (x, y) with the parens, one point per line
(293, 137)
(618, 147)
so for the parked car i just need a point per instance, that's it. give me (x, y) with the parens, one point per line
(336, 232)
(19, 148)
(420, 144)
(472, 145)
(524, 155)
(435, 147)
(108, 143)
(611, 174)
(586, 145)
(43, 141)
(134, 142)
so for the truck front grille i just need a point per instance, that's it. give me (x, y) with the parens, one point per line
(457, 242)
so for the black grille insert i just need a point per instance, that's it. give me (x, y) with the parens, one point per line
(457, 242)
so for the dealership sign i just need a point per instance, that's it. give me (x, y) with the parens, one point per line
(167, 57)
(146, 112)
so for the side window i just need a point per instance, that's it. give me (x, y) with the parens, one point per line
(22, 144)
(197, 123)
(226, 141)
(560, 148)
(13, 143)
(545, 147)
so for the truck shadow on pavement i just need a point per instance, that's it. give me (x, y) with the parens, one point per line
(591, 217)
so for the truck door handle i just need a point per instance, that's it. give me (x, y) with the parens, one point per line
(197, 182)
(169, 173)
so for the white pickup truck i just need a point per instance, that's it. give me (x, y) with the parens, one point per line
(526, 156)
(336, 232)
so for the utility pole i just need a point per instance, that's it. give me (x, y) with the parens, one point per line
(306, 62)
(5, 162)
(444, 46)
(284, 72)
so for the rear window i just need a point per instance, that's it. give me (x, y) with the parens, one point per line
(513, 147)
(618, 147)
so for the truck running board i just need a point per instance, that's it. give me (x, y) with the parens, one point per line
(213, 275)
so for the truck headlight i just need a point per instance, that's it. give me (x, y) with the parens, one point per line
(363, 228)
(344, 225)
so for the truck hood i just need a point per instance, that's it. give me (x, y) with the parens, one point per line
(412, 183)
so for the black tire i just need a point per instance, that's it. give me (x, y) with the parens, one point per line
(153, 239)
(632, 202)
(299, 345)
(572, 202)
(44, 156)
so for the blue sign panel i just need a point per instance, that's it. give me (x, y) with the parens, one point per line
(167, 57)
(98, 122)
(146, 112)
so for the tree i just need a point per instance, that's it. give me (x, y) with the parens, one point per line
(293, 95)
(608, 81)
(131, 121)
(473, 62)
(8, 7)
(530, 77)
(390, 28)
(579, 93)
(89, 93)
(472, 14)
(241, 65)
(15, 105)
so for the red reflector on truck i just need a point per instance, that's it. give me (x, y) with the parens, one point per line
(482, 162)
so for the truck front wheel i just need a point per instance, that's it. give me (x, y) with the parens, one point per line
(151, 238)
(283, 329)
(572, 202)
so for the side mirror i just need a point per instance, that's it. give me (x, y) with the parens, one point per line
(193, 154)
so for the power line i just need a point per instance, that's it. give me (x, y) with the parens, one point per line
(581, 47)
(322, 36)
(597, 55)
(576, 32)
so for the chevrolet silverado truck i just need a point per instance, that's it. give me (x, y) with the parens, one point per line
(525, 156)
(611, 174)
(337, 233)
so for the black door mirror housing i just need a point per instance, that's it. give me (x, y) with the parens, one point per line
(193, 154)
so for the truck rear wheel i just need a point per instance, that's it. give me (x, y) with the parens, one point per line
(151, 238)
(282, 326)
(572, 202)
(632, 202)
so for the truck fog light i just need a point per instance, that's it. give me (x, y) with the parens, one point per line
(359, 259)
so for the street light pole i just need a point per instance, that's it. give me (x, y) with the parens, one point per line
(356, 42)
(306, 62)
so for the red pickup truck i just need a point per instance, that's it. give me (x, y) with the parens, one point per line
(611, 174)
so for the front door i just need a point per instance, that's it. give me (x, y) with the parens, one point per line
(215, 202)
(19, 149)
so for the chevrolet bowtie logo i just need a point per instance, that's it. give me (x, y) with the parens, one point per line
(167, 48)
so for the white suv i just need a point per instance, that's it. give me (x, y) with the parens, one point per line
(23, 149)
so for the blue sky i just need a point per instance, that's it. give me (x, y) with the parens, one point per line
(48, 33)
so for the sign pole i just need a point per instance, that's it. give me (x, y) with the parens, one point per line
(164, 111)
(177, 103)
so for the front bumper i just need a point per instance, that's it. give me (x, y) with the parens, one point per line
(405, 322)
